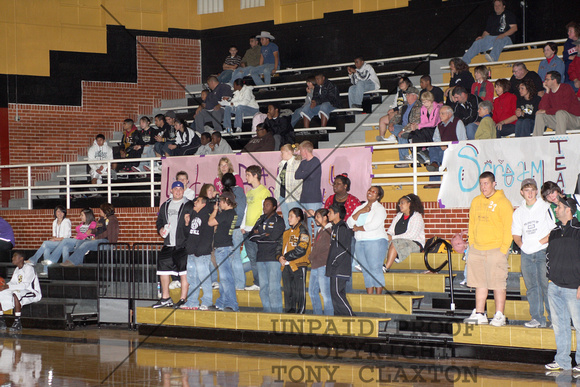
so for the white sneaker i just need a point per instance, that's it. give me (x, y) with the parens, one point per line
(476, 318)
(488, 57)
(553, 366)
(46, 262)
(409, 157)
(533, 324)
(253, 287)
(463, 283)
(498, 320)
(175, 285)
(392, 138)
(215, 285)
(358, 267)
(238, 130)
(203, 307)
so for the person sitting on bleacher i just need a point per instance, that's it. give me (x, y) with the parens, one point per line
(131, 145)
(219, 146)
(167, 137)
(231, 63)
(363, 78)
(559, 107)
(460, 76)
(186, 142)
(250, 60)
(465, 106)
(574, 71)
(242, 104)
(552, 61)
(263, 142)
(423, 131)
(269, 60)
(279, 126)
(98, 152)
(403, 83)
(148, 134)
(212, 110)
(297, 115)
(205, 140)
(527, 105)
(504, 109)
(107, 232)
(521, 72)
(500, 26)
(426, 86)
(410, 113)
(450, 128)
(570, 50)
(325, 99)
(23, 289)
(482, 88)
(486, 128)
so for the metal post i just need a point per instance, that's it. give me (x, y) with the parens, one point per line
(109, 181)
(415, 169)
(29, 169)
(68, 186)
(152, 180)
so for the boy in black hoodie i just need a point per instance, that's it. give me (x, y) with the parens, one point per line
(338, 266)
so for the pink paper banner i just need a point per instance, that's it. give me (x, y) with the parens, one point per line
(203, 169)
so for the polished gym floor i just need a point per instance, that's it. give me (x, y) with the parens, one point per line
(91, 356)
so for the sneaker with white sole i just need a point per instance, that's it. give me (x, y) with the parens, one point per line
(498, 319)
(576, 369)
(476, 318)
(392, 138)
(533, 323)
(358, 267)
(163, 303)
(553, 366)
(215, 285)
(488, 57)
(203, 307)
(253, 287)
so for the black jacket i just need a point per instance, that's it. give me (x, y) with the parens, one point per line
(182, 229)
(281, 125)
(268, 237)
(200, 233)
(327, 93)
(466, 112)
(339, 256)
(563, 255)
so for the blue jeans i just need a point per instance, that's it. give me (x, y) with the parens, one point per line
(436, 156)
(470, 130)
(148, 151)
(64, 248)
(252, 252)
(45, 249)
(270, 291)
(227, 298)
(524, 127)
(225, 76)
(285, 207)
(88, 245)
(371, 255)
(265, 69)
(310, 220)
(240, 111)
(506, 130)
(193, 281)
(240, 73)
(485, 44)
(356, 92)
(324, 108)
(564, 305)
(319, 282)
(403, 152)
(202, 264)
(296, 116)
(163, 147)
(534, 273)
(237, 265)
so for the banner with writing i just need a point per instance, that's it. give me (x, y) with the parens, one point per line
(356, 162)
(547, 158)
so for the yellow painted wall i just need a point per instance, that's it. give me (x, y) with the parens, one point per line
(29, 29)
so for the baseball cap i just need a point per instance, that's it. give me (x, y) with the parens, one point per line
(229, 195)
(177, 184)
(529, 181)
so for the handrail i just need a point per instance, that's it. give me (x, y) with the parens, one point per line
(449, 261)
(500, 62)
(540, 42)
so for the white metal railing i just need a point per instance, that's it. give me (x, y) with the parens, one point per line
(29, 188)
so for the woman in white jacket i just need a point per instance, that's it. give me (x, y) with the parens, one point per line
(288, 189)
(407, 231)
(368, 224)
(242, 104)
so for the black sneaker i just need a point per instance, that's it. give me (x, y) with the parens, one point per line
(2, 324)
(163, 303)
(17, 326)
(178, 304)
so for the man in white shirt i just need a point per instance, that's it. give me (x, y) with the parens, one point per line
(363, 78)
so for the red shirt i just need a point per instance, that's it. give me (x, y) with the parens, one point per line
(563, 99)
(350, 204)
(504, 107)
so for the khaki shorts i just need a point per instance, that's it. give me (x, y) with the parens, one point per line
(487, 269)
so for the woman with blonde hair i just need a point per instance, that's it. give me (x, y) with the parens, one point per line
(288, 189)
(225, 166)
(482, 88)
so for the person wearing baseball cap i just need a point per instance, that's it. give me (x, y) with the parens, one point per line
(531, 227)
(408, 114)
(269, 60)
(225, 220)
(563, 268)
(172, 260)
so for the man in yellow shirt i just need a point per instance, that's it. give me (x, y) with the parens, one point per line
(490, 237)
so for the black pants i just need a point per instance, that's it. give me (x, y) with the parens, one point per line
(422, 135)
(338, 295)
(294, 284)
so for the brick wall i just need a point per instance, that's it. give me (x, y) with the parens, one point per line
(33, 227)
(50, 133)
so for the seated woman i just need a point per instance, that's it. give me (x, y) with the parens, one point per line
(225, 166)
(400, 99)
(552, 61)
(368, 224)
(341, 186)
(107, 232)
(504, 109)
(61, 229)
(186, 142)
(482, 88)
(527, 105)
(242, 104)
(460, 76)
(85, 230)
(423, 131)
(296, 247)
(288, 189)
(407, 230)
